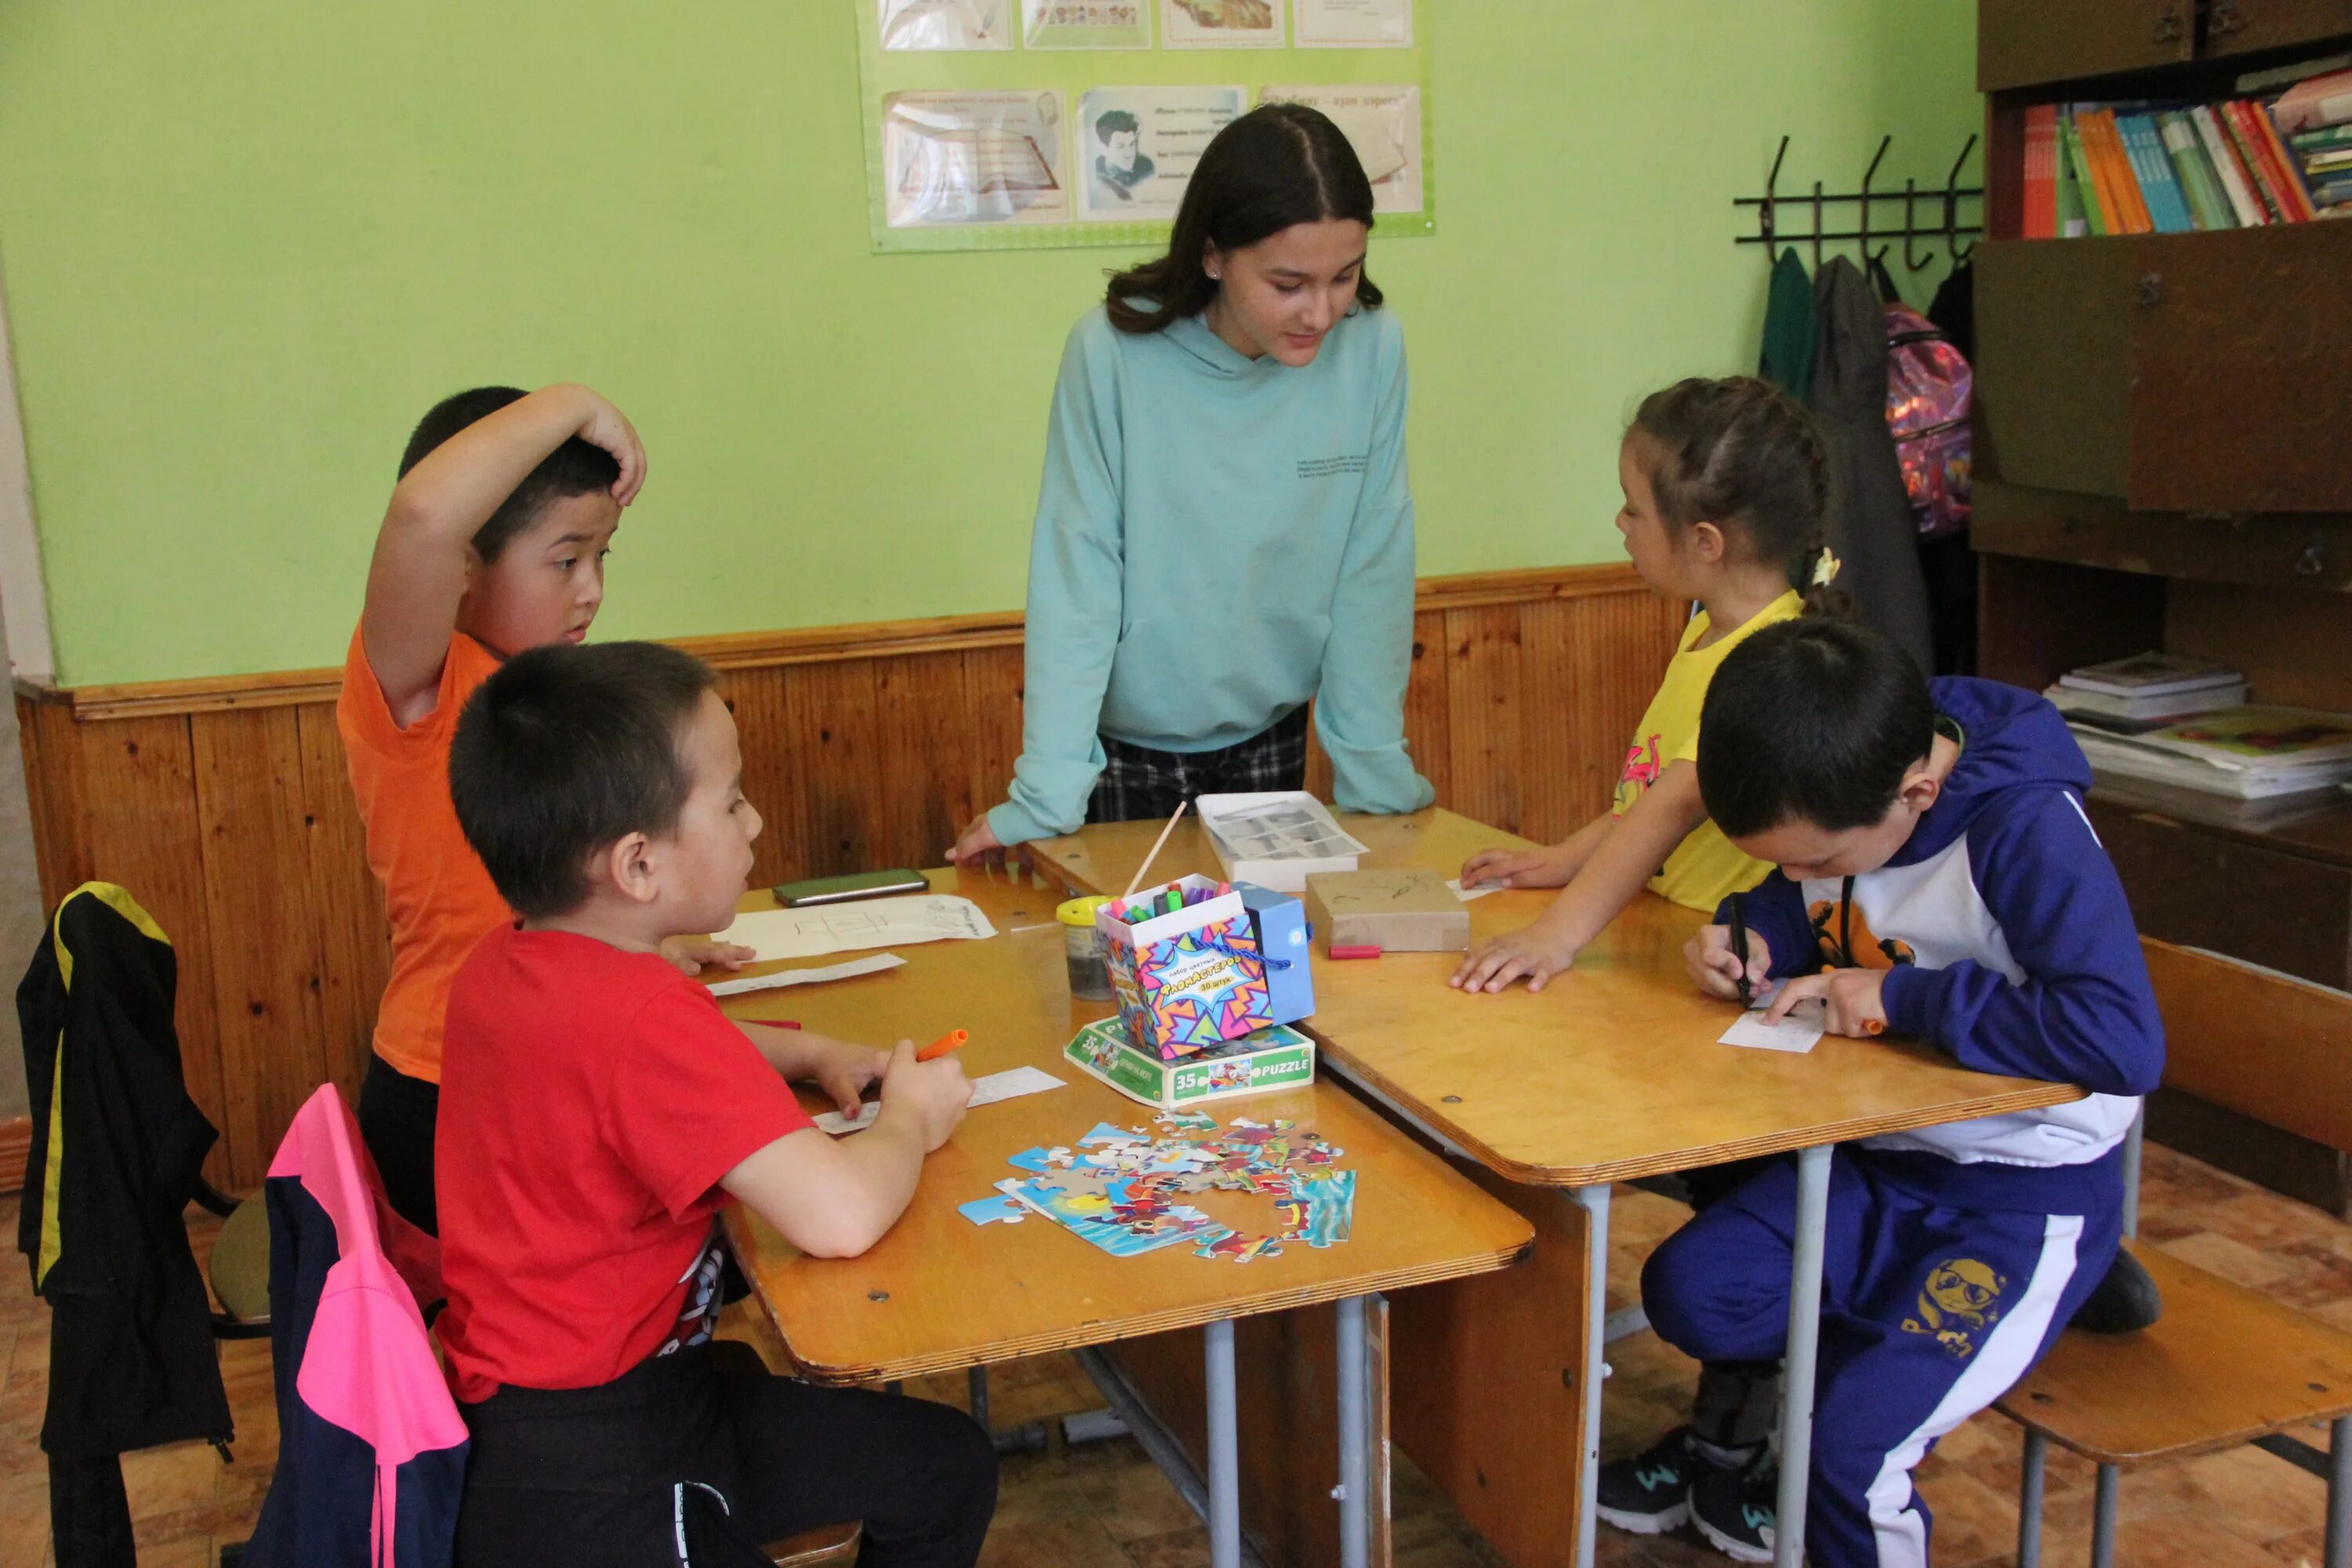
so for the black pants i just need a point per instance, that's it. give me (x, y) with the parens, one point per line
(396, 1114)
(1140, 784)
(704, 1446)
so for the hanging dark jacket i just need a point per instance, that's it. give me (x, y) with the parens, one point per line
(1870, 525)
(116, 1154)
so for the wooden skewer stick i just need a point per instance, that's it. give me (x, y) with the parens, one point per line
(1144, 869)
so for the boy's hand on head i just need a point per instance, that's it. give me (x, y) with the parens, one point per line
(1530, 953)
(935, 1092)
(692, 954)
(601, 425)
(1716, 971)
(1511, 869)
(1850, 998)
(978, 845)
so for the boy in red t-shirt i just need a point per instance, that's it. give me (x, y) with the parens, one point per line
(597, 1111)
(494, 541)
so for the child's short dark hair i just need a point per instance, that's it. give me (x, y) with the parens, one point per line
(1745, 456)
(566, 750)
(1811, 721)
(577, 467)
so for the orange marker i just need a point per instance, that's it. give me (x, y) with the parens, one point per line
(942, 1045)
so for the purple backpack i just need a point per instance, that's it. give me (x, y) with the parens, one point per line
(1928, 385)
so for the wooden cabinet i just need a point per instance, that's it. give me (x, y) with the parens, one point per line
(2250, 27)
(2164, 460)
(2019, 42)
(2180, 373)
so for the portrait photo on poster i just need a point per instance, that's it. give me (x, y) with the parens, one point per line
(1137, 145)
(1354, 24)
(970, 158)
(1086, 24)
(1382, 124)
(1220, 24)
(908, 24)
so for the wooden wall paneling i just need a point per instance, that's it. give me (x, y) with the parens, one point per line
(51, 744)
(1428, 732)
(354, 933)
(832, 727)
(993, 687)
(1555, 747)
(1483, 719)
(772, 771)
(926, 739)
(134, 821)
(266, 957)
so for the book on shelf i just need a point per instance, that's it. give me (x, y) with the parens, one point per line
(2145, 675)
(2280, 154)
(2133, 715)
(2246, 754)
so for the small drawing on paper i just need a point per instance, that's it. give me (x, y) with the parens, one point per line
(870, 922)
(1798, 1032)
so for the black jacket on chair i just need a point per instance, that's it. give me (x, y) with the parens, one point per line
(116, 1155)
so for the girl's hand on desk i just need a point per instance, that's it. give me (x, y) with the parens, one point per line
(692, 954)
(935, 1092)
(1530, 953)
(1513, 868)
(1851, 1003)
(977, 846)
(1715, 971)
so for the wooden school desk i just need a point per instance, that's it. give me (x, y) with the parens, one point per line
(1612, 1072)
(939, 1293)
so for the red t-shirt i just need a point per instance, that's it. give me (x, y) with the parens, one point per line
(591, 1099)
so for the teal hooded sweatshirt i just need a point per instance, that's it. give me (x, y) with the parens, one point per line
(1219, 539)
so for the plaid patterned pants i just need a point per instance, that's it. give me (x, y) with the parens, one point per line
(1139, 784)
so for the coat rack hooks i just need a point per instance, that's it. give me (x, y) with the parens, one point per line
(1942, 224)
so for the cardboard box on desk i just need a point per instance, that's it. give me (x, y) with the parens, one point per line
(1275, 1057)
(1191, 977)
(1396, 911)
(1283, 937)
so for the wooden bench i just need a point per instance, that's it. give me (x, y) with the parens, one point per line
(2223, 1365)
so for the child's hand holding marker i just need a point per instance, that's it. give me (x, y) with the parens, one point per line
(937, 1092)
(1717, 972)
(1850, 1004)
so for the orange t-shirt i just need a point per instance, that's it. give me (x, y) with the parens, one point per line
(436, 890)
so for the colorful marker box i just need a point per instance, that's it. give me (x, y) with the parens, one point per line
(1272, 1059)
(1186, 978)
(1283, 938)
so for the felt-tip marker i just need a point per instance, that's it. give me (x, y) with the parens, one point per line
(942, 1045)
(1739, 951)
(1365, 951)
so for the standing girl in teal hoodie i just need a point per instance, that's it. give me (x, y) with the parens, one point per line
(1224, 530)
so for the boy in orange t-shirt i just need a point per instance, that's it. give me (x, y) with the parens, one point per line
(494, 542)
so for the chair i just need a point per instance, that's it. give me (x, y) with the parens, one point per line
(2224, 1365)
(832, 1543)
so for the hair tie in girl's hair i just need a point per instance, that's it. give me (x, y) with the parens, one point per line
(1825, 568)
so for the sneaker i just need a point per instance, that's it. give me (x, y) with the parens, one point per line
(2124, 1301)
(1733, 1508)
(1650, 1492)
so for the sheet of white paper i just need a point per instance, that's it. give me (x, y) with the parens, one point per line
(854, 967)
(868, 923)
(1466, 894)
(1011, 1084)
(1800, 1032)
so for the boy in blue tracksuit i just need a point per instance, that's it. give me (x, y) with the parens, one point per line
(1938, 878)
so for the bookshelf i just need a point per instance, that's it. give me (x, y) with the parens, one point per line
(2164, 460)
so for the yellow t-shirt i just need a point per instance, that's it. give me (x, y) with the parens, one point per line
(1705, 867)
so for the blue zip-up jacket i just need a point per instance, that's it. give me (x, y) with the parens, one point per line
(2008, 945)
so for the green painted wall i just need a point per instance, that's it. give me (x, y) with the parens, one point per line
(246, 243)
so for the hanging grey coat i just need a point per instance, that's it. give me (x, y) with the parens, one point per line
(1870, 523)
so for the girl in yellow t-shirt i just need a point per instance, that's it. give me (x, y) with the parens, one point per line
(1726, 484)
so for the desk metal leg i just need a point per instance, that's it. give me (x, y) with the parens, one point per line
(1225, 1450)
(1595, 1203)
(2338, 1540)
(1804, 1340)
(1355, 1491)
